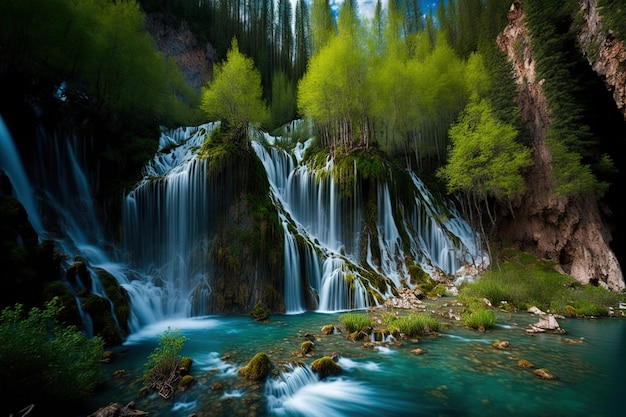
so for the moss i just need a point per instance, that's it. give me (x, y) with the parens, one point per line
(257, 369)
(186, 381)
(184, 365)
(325, 366)
(306, 347)
(104, 325)
(260, 312)
(328, 329)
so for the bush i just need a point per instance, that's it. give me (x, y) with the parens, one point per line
(355, 322)
(163, 363)
(414, 325)
(44, 362)
(480, 319)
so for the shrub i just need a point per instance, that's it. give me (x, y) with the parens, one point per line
(44, 362)
(355, 322)
(480, 319)
(414, 325)
(163, 363)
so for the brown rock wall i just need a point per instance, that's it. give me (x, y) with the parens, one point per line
(567, 230)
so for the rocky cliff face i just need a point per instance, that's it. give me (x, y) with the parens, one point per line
(194, 59)
(568, 230)
(606, 54)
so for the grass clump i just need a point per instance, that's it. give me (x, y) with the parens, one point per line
(356, 322)
(413, 325)
(524, 281)
(481, 319)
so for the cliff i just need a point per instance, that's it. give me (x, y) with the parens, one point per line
(569, 230)
(605, 53)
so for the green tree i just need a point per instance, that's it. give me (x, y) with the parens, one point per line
(484, 159)
(234, 96)
(44, 362)
(323, 26)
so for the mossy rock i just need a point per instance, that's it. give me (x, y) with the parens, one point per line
(185, 382)
(306, 347)
(328, 329)
(523, 363)
(184, 365)
(325, 366)
(260, 312)
(257, 369)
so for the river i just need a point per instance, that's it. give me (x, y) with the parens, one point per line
(459, 373)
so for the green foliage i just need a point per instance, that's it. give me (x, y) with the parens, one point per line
(355, 322)
(283, 104)
(102, 54)
(165, 357)
(480, 318)
(559, 62)
(613, 14)
(235, 95)
(524, 281)
(413, 325)
(484, 158)
(44, 362)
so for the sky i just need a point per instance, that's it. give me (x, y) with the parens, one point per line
(367, 7)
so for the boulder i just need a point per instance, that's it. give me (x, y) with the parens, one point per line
(325, 366)
(546, 323)
(257, 369)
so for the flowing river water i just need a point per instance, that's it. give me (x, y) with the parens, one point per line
(459, 373)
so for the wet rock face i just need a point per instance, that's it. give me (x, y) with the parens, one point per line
(568, 230)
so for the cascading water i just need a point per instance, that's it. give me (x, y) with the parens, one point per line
(328, 225)
(11, 164)
(168, 228)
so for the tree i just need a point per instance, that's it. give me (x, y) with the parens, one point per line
(484, 159)
(235, 95)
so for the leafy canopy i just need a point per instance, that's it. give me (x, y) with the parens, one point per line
(234, 95)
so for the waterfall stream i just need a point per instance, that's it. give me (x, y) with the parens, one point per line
(168, 228)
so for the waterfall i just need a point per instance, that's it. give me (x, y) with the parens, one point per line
(298, 391)
(11, 163)
(169, 226)
(329, 225)
(166, 221)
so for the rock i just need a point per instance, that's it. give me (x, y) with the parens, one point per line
(119, 410)
(573, 341)
(523, 363)
(184, 365)
(543, 373)
(306, 347)
(328, 329)
(535, 310)
(500, 345)
(257, 369)
(325, 366)
(217, 386)
(185, 382)
(417, 351)
(547, 322)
